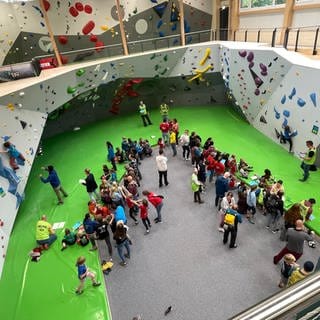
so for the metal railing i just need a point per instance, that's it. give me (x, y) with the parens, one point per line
(304, 39)
(291, 303)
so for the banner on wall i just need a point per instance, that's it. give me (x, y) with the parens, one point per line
(19, 71)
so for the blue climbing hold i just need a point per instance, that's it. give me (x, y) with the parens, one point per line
(301, 102)
(286, 113)
(283, 99)
(313, 98)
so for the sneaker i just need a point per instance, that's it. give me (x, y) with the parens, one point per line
(275, 231)
(123, 263)
(78, 292)
(156, 220)
(136, 222)
(127, 256)
(268, 227)
(302, 180)
(201, 201)
(234, 246)
(251, 220)
(65, 195)
(63, 248)
(93, 248)
(110, 259)
(148, 231)
(96, 284)
(59, 203)
(220, 229)
(187, 159)
(160, 221)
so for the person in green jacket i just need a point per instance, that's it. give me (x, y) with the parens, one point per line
(308, 160)
(144, 114)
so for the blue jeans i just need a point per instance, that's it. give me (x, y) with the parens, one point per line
(158, 208)
(120, 246)
(52, 238)
(306, 168)
(94, 195)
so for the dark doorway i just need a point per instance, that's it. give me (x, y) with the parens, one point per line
(224, 19)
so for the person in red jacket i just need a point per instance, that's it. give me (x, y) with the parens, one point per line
(211, 163)
(156, 201)
(165, 127)
(143, 206)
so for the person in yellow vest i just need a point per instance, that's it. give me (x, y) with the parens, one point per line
(299, 274)
(45, 235)
(306, 208)
(164, 111)
(144, 114)
(308, 159)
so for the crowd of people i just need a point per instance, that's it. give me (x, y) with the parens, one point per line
(237, 196)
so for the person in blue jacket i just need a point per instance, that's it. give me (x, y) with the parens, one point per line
(54, 180)
(111, 155)
(231, 220)
(90, 227)
(222, 186)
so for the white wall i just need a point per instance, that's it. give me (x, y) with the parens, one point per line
(261, 21)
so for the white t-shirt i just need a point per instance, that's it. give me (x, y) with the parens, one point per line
(162, 163)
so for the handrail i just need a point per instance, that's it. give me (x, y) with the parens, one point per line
(285, 302)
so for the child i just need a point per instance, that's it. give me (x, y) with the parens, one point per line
(130, 203)
(69, 239)
(299, 274)
(161, 144)
(288, 266)
(144, 214)
(15, 156)
(83, 273)
(173, 142)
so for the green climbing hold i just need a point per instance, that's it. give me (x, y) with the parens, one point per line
(71, 90)
(81, 84)
(165, 58)
(80, 72)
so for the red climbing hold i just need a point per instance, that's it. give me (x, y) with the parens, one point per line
(46, 5)
(63, 40)
(88, 27)
(73, 11)
(99, 46)
(93, 38)
(87, 9)
(79, 6)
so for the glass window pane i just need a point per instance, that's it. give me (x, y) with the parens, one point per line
(245, 4)
(260, 3)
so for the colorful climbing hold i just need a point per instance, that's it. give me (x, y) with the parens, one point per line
(87, 9)
(79, 6)
(283, 99)
(80, 72)
(71, 90)
(301, 102)
(286, 113)
(73, 11)
(242, 53)
(63, 40)
(250, 57)
(313, 97)
(292, 94)
(88, 27)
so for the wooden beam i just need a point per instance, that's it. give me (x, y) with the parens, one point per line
(306, 6)
(53, 41)
(287, 18)
(234, 19)
(122, 32)
(181, 15)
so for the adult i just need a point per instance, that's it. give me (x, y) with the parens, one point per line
(122, 240)
(295, 242)
(164, 111)
(45, 235)
(164, 128)
(55, 183)
(156, 201)
(162, 167)
(91, 185)
(144, 114)
(286, 136)
(227, 202)
(90, 226)
(111, 155)
(308, 160)
(230, 225)
(195, 186)
(175, 128)
(222, 186)
(102, 233)
(306, 208)
(252, 204)
(185, 141)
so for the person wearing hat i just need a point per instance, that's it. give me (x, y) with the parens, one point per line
(299, 274)
(295, 237)
(54, 181)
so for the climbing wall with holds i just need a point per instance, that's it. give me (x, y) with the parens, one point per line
(93, 24)
(294, 103)
(256, 74)
(22, 128)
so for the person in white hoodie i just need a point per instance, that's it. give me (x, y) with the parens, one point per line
(162, 167)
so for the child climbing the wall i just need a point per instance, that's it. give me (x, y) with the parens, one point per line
(15, 157)
(83, 273)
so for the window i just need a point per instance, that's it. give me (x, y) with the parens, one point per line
(247, 4)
